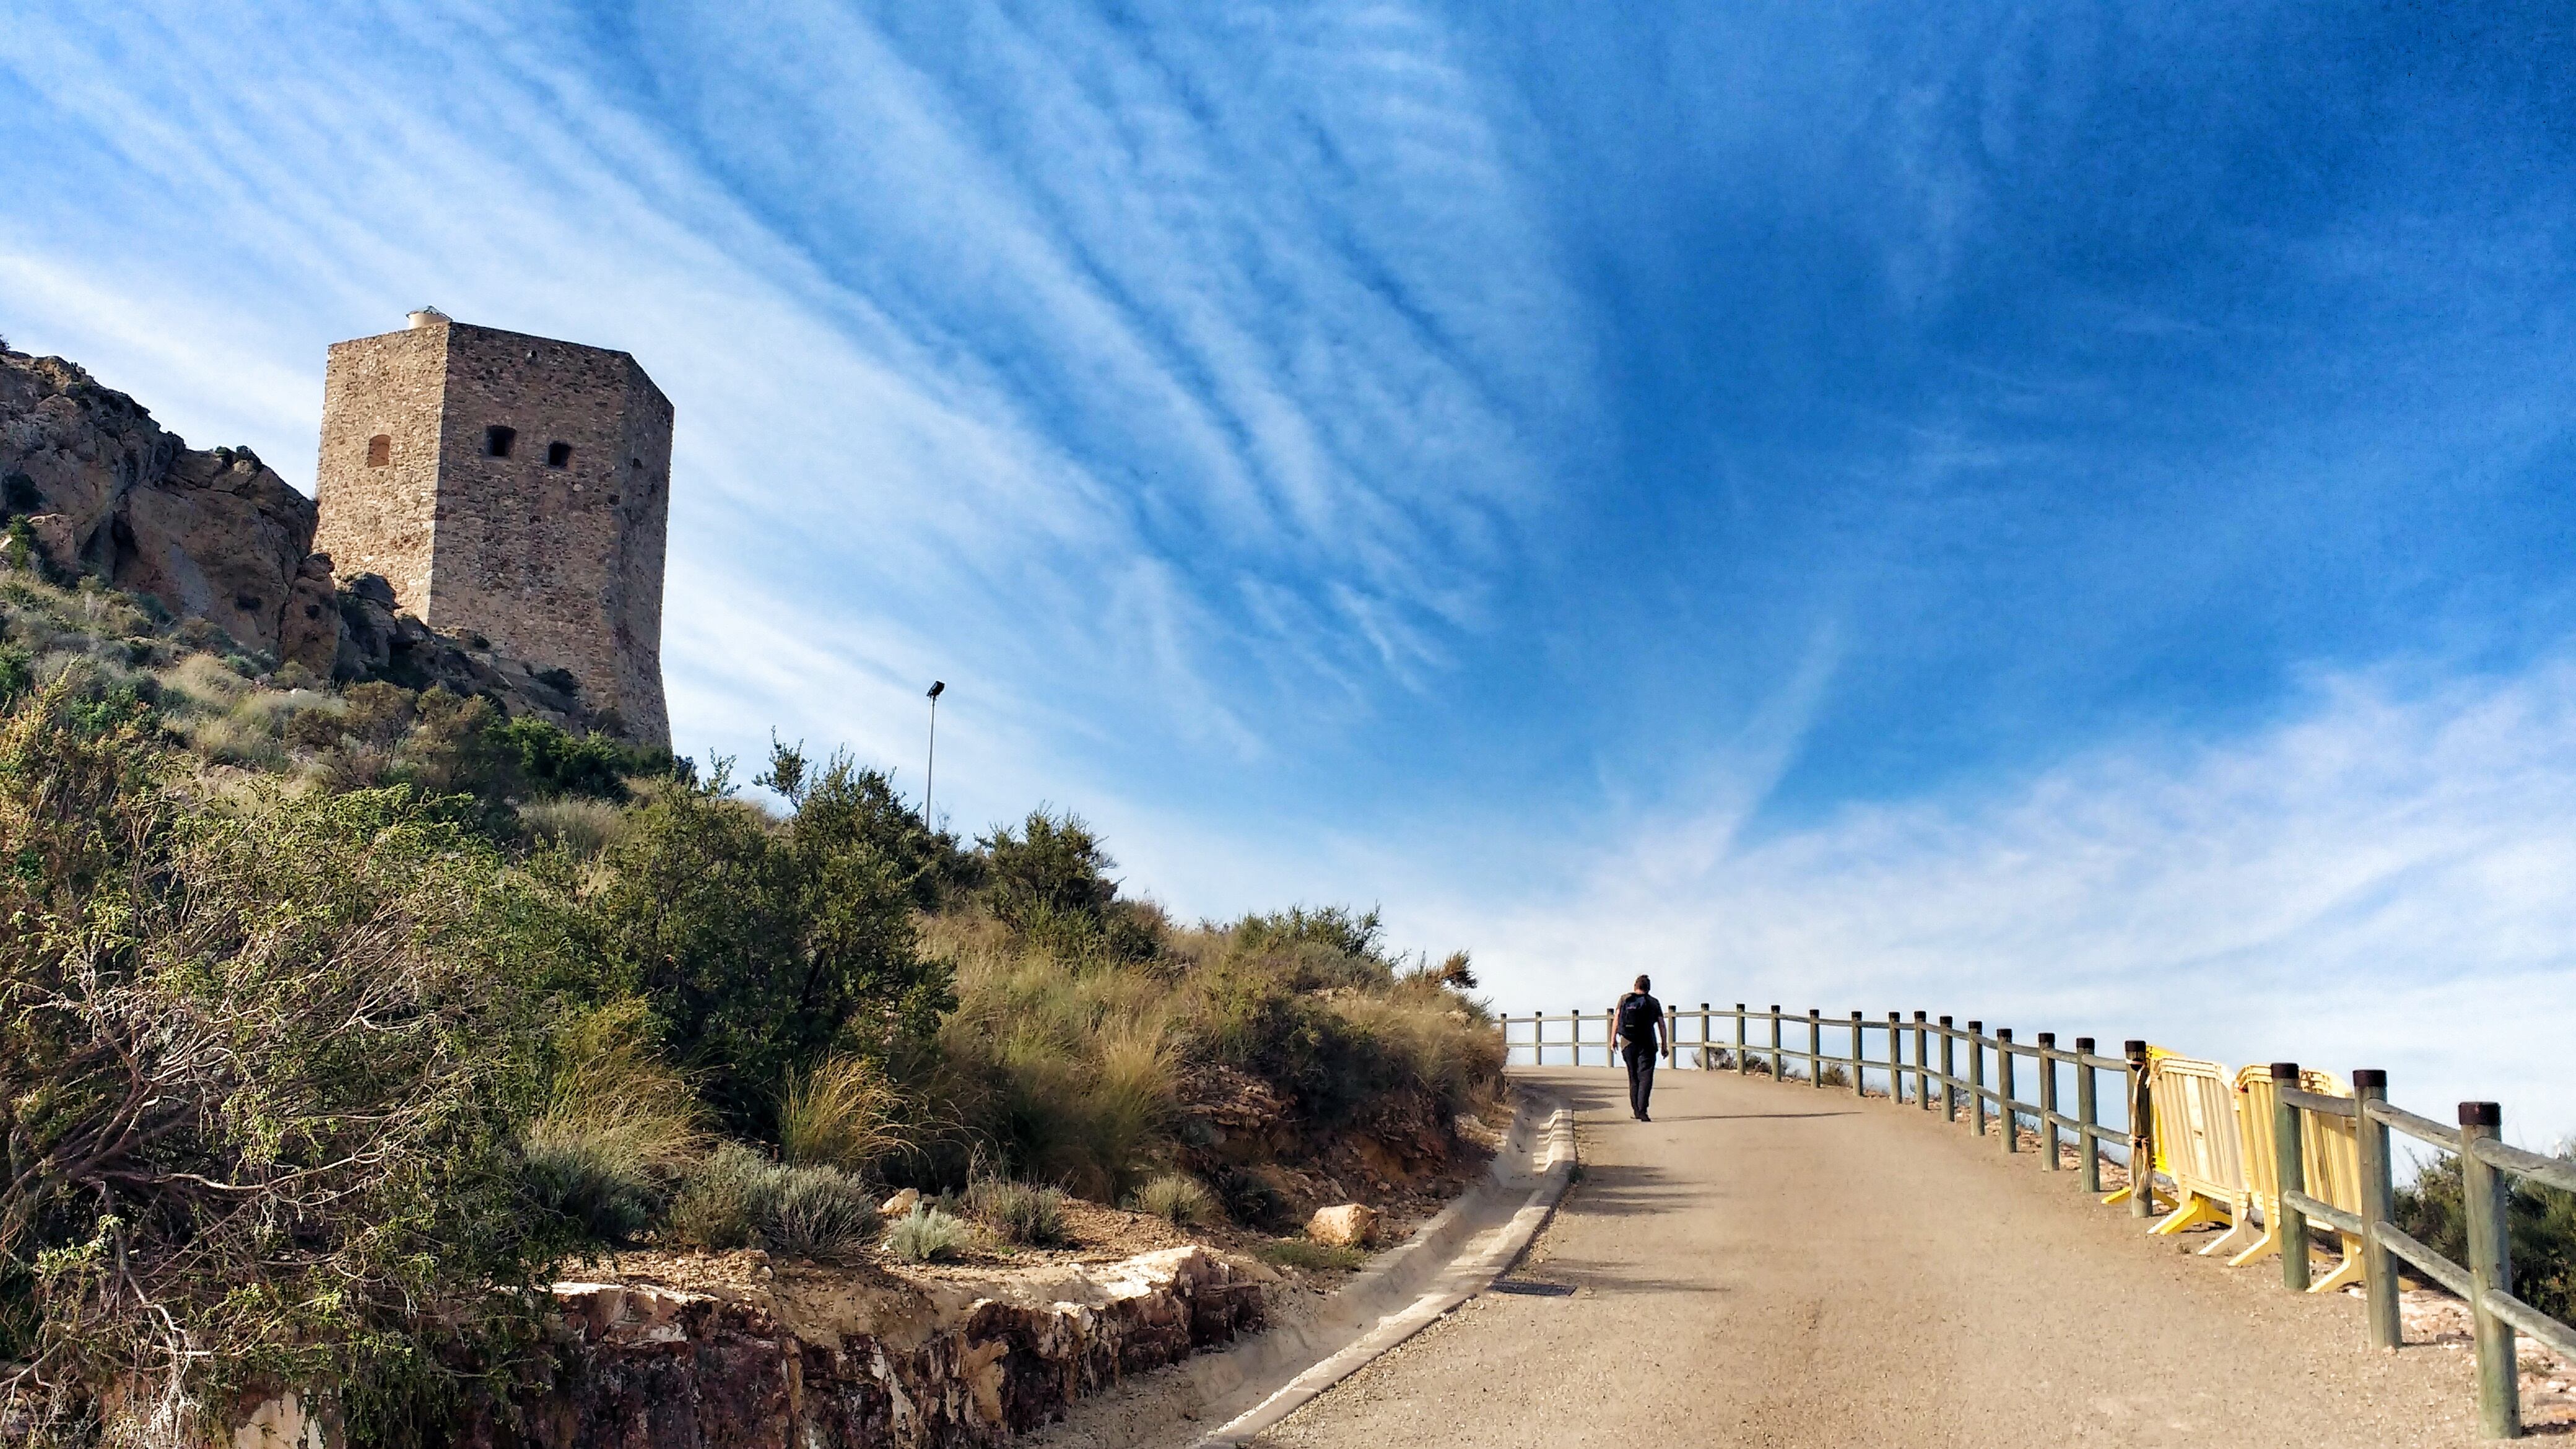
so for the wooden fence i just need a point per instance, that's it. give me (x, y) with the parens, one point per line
(1746, 1041)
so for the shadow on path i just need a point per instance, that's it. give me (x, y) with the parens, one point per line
(1662, 1118)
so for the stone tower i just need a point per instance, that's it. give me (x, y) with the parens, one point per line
(510, 487)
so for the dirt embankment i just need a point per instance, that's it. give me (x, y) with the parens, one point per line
(686, 1350)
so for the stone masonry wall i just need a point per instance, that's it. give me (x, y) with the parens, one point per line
(556, 564)
(379, 520)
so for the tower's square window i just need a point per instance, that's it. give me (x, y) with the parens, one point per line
(497, 441)
(558, 455)
(380, 450)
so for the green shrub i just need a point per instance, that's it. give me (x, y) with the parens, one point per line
(713, 1207)
(1051, 868)
(374, 713)
(846, 804)
(737, 1198)
(763, 947)
(926, 1235)
(332, 1003)
(1018, 1212)
(18, 548)
(1356, 936)
(550, 762)
(589, 1184)
(812, 1212)
(2540, 1230)
(1177, 1200)
(17, 673)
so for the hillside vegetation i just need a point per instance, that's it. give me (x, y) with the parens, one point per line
(332, 1021)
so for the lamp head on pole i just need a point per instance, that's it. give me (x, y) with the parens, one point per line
(938, 687)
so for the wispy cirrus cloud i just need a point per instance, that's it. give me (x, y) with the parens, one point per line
(2379, 878)
(1075, 336)
(1778, 494)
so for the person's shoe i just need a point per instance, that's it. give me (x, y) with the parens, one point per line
(1642, 1117)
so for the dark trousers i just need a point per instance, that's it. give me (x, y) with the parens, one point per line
(1641, 1075)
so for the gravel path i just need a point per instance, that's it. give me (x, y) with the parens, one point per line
(1775, 1265)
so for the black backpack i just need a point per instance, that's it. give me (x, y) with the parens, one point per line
(1637, 1016)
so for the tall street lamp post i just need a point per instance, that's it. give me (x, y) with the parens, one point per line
(930, 772)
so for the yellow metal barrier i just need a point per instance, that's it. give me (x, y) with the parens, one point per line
(2329, 1153)
(2197, 1143)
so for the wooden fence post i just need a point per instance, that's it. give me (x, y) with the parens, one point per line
(1977, 1078)
(1672, 1036)
(2378, 1205)
(1949, 1073)
(2088, 1148)
(1856, 1057)
(2048, 1100)
(1743, 1063)
(1895, 1062)
(2004, 1087)
(2142, 1133)
(1922, 1066)
(1775, 1041)
(1816, 1048)
(2289, 1128)
(1704, 1024)
(2483, 1195)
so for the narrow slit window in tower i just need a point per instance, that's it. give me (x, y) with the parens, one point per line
(380, 451)
(497, 441)
(558, 455)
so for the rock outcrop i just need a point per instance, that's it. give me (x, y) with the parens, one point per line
(105, 490)
(373, 641)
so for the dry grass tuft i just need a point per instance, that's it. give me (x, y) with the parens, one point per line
(583, 826)
(619, 1127)
(926, 1235)
(840, 1114)
(1178, 1200)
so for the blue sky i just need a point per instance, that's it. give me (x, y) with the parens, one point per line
(2060, 515)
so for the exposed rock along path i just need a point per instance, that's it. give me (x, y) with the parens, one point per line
(1771, 1264)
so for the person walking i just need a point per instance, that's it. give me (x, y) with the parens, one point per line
(1640, 1019)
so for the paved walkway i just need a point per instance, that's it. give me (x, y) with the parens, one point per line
(1776, 1265)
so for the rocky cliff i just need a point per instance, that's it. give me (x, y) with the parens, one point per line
(98, 487)
(211, 535)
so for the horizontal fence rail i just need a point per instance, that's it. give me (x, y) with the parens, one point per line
(2282, 1126)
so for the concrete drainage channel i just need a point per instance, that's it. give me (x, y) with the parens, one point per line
(1451, 1258)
